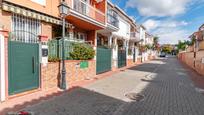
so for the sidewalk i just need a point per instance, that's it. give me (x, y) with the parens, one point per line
(165, 85)
(20, 102)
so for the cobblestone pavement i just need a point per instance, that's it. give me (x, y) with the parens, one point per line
(165, 84)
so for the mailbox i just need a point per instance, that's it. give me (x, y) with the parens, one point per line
(44, 52)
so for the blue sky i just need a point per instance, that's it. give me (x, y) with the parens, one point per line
(171, 20)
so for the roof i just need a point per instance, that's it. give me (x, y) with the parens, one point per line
(202, 26)
(199, 35)
(133, 22)
(142, 26)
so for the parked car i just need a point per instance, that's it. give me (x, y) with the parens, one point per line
(163, 54)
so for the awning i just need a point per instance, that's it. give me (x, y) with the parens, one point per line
(32, 14)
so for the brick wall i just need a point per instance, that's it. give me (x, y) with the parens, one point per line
(199, 65)
(188, 58)
(50, 74)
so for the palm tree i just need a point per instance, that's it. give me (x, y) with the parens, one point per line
(156, 43)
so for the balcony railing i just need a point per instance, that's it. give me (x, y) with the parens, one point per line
(88, 10)
(113, 20)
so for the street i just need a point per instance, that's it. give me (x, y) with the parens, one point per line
(164, 83)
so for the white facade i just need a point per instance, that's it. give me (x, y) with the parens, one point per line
(124, 29)
(142, 35)
(2, 69)
(122, 34)
(149, 40)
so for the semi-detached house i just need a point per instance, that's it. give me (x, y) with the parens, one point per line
(26, 26)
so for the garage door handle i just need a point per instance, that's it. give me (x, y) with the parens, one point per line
(33, 64)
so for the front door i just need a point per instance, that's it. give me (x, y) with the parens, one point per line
(23, 66)
(134, 54)
(121, 58)
(103, 60)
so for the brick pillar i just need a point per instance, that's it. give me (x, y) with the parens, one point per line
(3, 65)
(43, 44)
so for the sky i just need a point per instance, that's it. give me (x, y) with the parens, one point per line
(170, 20)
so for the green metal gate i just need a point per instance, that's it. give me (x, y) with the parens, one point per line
(103, 60)
(121, 58)
(23, 62)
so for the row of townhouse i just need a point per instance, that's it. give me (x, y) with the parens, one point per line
(194, 54)
(26, 27)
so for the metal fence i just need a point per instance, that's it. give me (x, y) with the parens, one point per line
(55, 47)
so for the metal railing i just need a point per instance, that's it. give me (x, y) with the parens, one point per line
(55, 47)
(88, 10)
(113, 20)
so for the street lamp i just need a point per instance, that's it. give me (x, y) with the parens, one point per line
(64, 11)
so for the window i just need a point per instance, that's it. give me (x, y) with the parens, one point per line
(82, 36)
(41, 2)
(25, 29)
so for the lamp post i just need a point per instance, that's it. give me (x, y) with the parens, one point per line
(64, 11)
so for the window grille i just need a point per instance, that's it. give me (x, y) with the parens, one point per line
(25, 29)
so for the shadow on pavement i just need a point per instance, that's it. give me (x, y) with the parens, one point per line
(164, 93)
(148, 67)
(79, 101)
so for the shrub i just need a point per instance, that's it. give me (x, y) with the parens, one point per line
(82, 51)
(53, 59)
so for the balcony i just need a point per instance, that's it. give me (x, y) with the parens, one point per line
(113, 20)
(86, 9)
(135, 36)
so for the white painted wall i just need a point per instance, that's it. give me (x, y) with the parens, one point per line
(142, 35)
(2, 69)
(124, 28)
(149, 40)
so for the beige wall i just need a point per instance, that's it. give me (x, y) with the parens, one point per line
(51, 7)
(188, 58)
(5, 20)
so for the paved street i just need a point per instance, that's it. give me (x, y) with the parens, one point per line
(165, 84)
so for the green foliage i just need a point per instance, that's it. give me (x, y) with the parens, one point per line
(167, 48)
(53, 59)
(142, 48)
(182, 45)
(130, 52)
(82, 51)
(148, 46)
(156, 43)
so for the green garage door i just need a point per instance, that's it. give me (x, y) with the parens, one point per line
(23, 66)
(103, 60)
(121, 58)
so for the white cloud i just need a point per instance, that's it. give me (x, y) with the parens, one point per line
(158, 7)
(171, 35)
(169, 31)
(153, 24)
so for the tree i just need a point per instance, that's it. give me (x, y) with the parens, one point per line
(167, 48)
(156, 43)
(182, 45)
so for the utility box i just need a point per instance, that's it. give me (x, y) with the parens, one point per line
(44, 54)
(43, 50)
